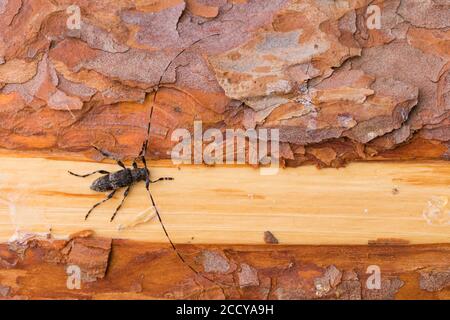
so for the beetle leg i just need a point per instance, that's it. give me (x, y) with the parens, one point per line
(89, 174)
(125, 194)
(99, 203)
(162, 179)
(109, 156)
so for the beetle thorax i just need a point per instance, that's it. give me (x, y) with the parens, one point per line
(139, 174)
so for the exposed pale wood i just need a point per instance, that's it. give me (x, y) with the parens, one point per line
(226, 204)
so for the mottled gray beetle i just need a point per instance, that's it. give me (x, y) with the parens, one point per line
(127, 177)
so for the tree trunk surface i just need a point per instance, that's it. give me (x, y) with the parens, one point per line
(359, 85)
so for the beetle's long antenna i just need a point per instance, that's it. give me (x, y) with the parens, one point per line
(167, 234)
(147, 183)
(144, 150)
(147, 186)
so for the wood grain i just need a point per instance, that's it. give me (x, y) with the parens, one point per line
(354, 205)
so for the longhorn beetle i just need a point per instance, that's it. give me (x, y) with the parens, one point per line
(127, 177)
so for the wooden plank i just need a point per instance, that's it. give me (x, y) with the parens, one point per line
(229, 204)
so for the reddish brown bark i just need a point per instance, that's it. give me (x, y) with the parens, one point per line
(337, 89)
(36, 269)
